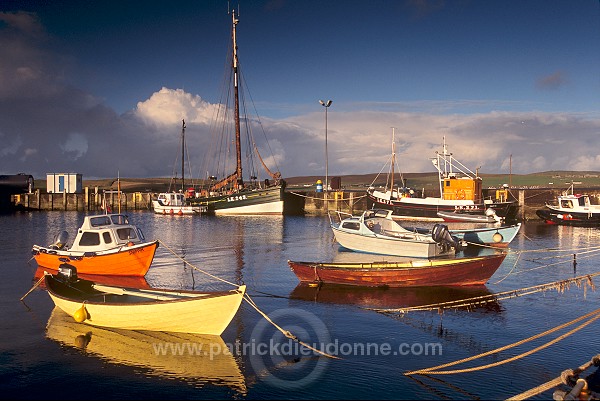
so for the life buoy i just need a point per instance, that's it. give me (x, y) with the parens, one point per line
(460, 194)
(167, 202)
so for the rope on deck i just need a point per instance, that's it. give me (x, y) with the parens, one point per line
(591, 316)
(566, 377)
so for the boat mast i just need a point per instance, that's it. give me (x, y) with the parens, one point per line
(183, 156)
(393, 160)
(238, 145)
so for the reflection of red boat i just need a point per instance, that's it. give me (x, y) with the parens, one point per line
(412, 273)
(379, 297)
(117, 281)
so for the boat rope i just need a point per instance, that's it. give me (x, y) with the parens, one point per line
(565, 377)
(511, 270)
(34, 287)
(286, 333)
(250, 301)
(196, 268)
(591, 316)
(560, 286)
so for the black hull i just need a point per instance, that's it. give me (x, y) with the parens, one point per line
(507, 210)
(260, 201)
(569, 219)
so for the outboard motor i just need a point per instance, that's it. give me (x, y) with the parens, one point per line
(67, 272)
(60, 240)
(489, 212)
(441, 235)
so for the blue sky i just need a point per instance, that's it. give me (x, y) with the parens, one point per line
(100, 88)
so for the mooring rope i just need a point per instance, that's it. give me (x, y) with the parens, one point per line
(562, 379)
(250, 301)
(593, 316)
(560, 286)
(196, 268)
(286, 333)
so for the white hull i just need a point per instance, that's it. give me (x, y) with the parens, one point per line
(383, 245)
(177, 210)
(262, 208)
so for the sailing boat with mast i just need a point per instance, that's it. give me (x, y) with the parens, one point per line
(231, 194)
(174, 202)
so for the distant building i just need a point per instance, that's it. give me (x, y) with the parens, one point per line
(58, 183)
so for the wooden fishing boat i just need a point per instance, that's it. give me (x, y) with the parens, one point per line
(173, 202)
(104, 244)
(374, 231)
(412, 273)
(571, 210)
(232, 193)
(143, 309)
(196, 358)
(460, 191)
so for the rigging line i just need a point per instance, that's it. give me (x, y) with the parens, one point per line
(525, 291)
(195, 268)
(593, 316)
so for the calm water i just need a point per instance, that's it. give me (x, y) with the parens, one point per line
(45, 355)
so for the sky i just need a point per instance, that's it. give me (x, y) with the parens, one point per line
(100, 88)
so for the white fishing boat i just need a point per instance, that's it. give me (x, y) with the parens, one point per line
(374, 231)
(174, 202)
(460, 192)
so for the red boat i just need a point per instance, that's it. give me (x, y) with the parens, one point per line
(474, 270)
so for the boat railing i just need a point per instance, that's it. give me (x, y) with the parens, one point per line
(336, 216)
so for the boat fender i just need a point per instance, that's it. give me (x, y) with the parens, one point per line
(441, 235)
(81, 314)
(497, 237)
(130, 243)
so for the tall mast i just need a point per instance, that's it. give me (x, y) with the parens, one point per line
(393, 161)
(182, 155)
(238, 145)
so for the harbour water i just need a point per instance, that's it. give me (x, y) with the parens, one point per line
(45, 355)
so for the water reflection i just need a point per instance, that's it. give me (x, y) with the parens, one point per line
(391, 298)
(198, 359)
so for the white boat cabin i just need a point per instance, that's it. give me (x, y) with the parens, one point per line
(171, 199)
(102, 232)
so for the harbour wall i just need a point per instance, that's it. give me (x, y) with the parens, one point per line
(312, 203)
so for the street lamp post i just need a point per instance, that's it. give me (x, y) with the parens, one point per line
(326, 105)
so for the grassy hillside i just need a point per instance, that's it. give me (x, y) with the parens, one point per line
(427, 181)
